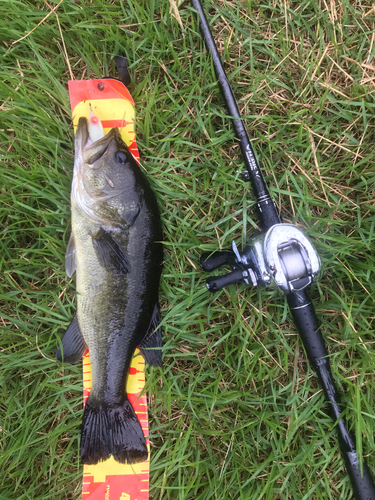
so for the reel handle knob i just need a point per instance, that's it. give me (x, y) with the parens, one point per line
(212, 260)
(216, 283)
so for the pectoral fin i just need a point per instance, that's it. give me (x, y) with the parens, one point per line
(152, 341)
(109, 253)
(70, 257)
(73, 344)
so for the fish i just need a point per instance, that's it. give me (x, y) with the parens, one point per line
(115, 248)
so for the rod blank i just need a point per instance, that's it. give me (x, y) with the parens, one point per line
(268, 213)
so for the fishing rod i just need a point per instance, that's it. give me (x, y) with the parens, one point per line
(281, 256)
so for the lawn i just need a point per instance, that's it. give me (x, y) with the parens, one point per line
(236, 412)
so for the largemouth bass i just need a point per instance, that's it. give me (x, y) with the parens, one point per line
(115, 248)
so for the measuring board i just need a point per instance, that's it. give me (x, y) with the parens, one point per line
(112, 103)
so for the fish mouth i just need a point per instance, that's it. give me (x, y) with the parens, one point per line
(82, 138)
(87, 151)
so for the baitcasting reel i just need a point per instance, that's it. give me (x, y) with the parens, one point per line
(282, 257)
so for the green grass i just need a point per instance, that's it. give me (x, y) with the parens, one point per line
(236, 412)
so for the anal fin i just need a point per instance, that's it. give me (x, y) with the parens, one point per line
(73, 344)
(150, 346)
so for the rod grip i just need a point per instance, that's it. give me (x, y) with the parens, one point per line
(308, 326)
(363, 485)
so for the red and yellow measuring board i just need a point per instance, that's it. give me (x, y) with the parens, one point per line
(109, 480)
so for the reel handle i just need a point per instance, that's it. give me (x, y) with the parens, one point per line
(217, 283)
(210, 261)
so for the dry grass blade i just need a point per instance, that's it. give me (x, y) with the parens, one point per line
(175, 11)
(39, 24)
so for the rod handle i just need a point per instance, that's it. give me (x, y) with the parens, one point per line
(363, 485)
(308, 326)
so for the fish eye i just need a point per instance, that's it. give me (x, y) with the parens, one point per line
(121, 157)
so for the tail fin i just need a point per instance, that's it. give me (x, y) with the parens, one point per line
(111, 430)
